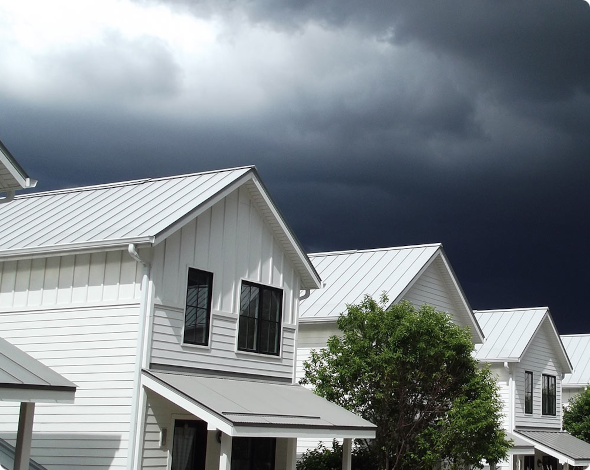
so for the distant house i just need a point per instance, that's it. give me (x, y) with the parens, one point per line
(172, 304)
(12, 176)
(525, 352)
(420, 274)
(578, 350)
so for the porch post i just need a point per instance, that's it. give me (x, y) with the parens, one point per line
(346, 453)
(24, 436)
(225, 452)
(291, 457)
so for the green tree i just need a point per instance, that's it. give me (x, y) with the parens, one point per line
(576, 416)
(411, 373)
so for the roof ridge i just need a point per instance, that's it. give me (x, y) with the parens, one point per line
(118, 184)
(499, 310)
(577, 334)
(369, 250)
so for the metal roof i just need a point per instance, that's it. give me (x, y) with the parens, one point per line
(349, 275)
(22, 376)
(243, 404)
(578, 350)
(560, 444)
(12, 175)
(509, 332)
(142, 211)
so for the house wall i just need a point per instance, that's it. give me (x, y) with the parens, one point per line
(232, 241)
(503, 381)
(77, 314)
(568, 392)
(430, 289)
(540, 359)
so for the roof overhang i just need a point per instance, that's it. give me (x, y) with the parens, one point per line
(248, 408)
(559, 444)
(520, 446)
(12, 176)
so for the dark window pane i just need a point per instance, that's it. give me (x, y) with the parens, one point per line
(198, 307)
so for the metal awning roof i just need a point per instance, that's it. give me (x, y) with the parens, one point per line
(560, 444)
(241, 407)
(519, 445)
(25, 379)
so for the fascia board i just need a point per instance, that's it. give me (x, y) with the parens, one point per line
(198, 210)
(318, 320)
(15, 169)
(73, 248)
(25, 395)
(303, 432)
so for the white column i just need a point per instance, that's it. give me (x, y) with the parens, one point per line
(225, 452)
(346, 453)
(291, 459)
(24, 436)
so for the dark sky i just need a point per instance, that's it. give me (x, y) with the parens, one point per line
(373, 124)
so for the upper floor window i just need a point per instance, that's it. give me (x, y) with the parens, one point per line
(260, 318)
(528, 392)
(549, 395)
(197, 316)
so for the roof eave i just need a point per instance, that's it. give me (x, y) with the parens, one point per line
(16, 171)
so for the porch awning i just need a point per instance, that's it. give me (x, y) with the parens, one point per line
(559, 444)
(520, 446)
(25, 379)
(240, 407)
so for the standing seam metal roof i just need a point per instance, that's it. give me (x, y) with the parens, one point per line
(578, 350)
(349, 275)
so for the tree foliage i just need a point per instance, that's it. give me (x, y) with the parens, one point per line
(576, 416)
(411, 373)
(323, 458)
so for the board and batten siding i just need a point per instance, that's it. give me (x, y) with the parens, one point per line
(569, 392)
(540, 359)
(77, 314)
(232, 241)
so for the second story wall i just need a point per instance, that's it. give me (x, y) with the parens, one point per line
(232, 241)
(539, 359)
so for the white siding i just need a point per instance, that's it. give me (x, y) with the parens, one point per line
(232, 241)
(503, 381)
(569, 392)
(79, 316)
(431, 289)
(540, 359)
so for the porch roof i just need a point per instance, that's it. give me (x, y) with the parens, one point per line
(560, 444)
(25, 379)
(241, 407)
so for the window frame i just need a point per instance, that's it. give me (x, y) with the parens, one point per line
(264, 289)
(549, 400)
(528, 392)
(207, 335)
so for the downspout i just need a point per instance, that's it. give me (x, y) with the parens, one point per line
(135, 434)
(305, 295)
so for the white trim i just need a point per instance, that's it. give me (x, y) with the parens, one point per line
(206, 346)
(24, 395)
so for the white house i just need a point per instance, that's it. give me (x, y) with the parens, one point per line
(525, 352)
(172, 304)
(420, 274)
(578, 350)
(12, 176)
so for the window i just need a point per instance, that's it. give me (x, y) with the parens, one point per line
(529, 462)
(260, 319)
(549, 463)
(198, 307)
(549, 395)
(189, 446)
(528, 392)
(253, 453)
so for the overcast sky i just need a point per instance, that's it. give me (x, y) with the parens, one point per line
(373, 124)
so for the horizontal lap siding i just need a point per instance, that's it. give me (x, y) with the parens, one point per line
(87, 332)
(503, 381)
(540, 359)
(233, 242)
(430, 289)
